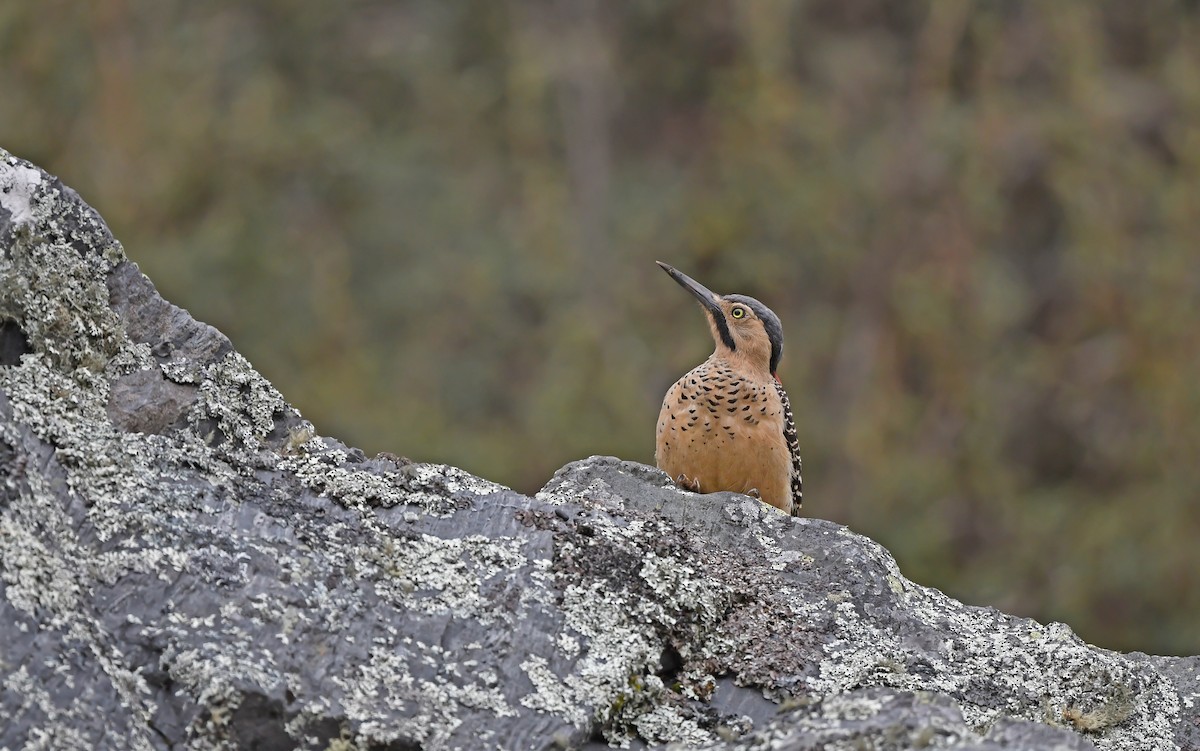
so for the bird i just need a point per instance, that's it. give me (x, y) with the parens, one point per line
(727, 423)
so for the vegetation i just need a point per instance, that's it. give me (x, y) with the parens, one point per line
(433, 226)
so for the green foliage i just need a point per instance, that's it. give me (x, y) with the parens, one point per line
(433, 226)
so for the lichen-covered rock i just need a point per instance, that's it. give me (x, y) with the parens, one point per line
(815, 613)
(185, 563)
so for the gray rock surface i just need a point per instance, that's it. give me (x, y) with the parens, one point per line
(186, 563)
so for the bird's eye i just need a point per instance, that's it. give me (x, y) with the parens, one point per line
(738, 312)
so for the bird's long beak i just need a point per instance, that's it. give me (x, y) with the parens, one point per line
(702, 293)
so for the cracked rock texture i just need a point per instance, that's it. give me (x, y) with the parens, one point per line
(186, 563)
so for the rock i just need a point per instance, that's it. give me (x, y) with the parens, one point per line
(185, 562)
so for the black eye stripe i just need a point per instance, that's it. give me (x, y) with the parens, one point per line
(770, 323)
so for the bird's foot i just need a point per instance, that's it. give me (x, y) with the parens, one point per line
(688, 483)
(753, 493)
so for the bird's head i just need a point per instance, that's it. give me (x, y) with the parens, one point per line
(742, 327)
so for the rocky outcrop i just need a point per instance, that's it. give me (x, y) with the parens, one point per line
(186, 563)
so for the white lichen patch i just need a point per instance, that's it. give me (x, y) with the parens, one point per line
(550, 694)
(771, 549)
(620, 642)
(351, 487)
(66, 410)
(243, 403)
(681, 587)
(663, 724)
(132, 356)
(456, 480)
(59, 731)
(438, 576)
(429, 709)
(597, 490)
(215, 671)
(568, 645)
(429, 487)
(18, 184)
(433, 486)
(60, 298)
(36, 578)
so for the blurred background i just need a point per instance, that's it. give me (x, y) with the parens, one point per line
(433, 226)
